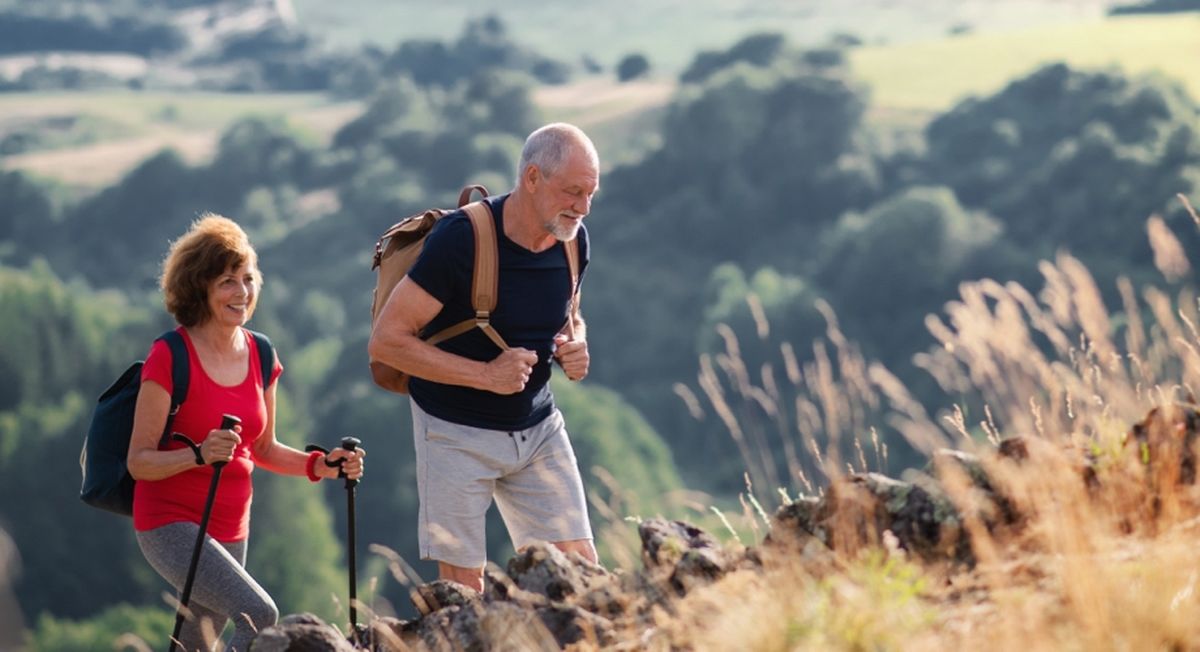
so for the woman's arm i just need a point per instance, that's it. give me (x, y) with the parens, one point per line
(145, 461)
(277, 457)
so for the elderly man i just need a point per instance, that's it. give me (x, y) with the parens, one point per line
(484, 421)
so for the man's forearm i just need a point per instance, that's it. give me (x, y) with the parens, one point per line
(418, 358)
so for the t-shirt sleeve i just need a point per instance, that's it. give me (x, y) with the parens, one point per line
(276, 370)
(449, 250)
(158, 365)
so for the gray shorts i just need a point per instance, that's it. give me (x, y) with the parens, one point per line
(531, 473)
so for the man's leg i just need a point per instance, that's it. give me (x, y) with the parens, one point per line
(472, 577)
(456, 470)
(544, 499)
(582, 546)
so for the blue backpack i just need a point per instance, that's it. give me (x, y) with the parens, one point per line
(107, 484)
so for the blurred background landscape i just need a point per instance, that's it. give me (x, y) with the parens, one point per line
(770, 168)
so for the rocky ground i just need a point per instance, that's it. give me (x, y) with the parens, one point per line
(963, 506)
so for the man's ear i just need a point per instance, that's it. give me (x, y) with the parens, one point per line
(531, 177)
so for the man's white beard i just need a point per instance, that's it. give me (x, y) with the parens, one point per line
(563, 229)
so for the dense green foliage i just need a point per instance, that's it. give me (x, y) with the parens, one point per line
(632, 66)
(767, 198)
(757, 50)
(1041, 147)
(277, 56)
(33, 29)
(121, 622)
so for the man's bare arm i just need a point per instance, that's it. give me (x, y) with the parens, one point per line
(395, 341)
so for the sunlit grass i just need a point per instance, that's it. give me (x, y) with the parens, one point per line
(934, 75)
(1102, 558)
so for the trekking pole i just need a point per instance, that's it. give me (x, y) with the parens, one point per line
(228, 421)
(357, 636)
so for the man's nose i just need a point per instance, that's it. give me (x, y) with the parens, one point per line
(583, 205)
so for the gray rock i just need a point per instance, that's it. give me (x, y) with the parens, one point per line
(301, 633)
(439, 594)
(687, 554)
(545, 570)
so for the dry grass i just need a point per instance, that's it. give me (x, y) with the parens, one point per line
(1105, 557)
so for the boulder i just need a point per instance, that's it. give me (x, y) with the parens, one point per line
(301, 633)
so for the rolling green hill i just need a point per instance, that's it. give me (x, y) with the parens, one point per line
(909, 82)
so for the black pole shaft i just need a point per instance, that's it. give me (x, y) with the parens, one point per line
(350, 444)
(350, 544)
(227, 422)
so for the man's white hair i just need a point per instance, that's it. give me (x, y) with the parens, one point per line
(549, 147)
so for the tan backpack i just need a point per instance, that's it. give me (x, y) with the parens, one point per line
(400, 246)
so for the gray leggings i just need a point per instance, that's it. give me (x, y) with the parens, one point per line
(221, 590)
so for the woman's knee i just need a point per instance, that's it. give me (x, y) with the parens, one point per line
(260, 614)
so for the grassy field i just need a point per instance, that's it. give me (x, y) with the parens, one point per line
(133, 126)
(933, 75)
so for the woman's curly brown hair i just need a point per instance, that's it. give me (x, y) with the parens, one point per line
(212, 246)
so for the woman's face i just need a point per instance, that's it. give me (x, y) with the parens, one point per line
(233, 295)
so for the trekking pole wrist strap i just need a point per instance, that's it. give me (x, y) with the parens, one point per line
(310, 467)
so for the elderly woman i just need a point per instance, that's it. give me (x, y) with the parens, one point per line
(210, 284)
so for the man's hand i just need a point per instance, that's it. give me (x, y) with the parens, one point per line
(572, 356)
(508, 373)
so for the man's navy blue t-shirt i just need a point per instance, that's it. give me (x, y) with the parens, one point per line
(532, 305)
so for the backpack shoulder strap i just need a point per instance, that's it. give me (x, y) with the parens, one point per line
(485, 283)
(180, 376)
(485, 279)
(571, 248)
(464, 197)
(266, 356)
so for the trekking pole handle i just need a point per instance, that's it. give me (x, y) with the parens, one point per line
(348, 443)
(228, 421)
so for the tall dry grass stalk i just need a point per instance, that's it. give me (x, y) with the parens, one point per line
(1104, 558)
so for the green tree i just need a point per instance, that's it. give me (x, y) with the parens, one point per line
(117, 238)
(26, 212)
(1074, 159)
(109, 629)
(632, 66)
(885, 269)
(759, 50)
(63, 345)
